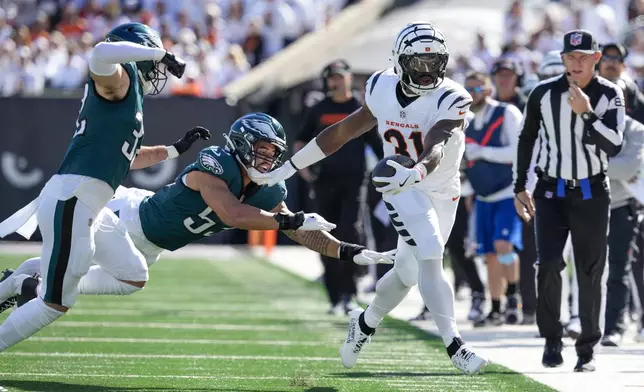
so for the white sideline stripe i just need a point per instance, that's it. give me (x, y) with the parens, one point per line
(204, 356)
(179, 341)
(221, 327)
(245, 314)
(180, 376)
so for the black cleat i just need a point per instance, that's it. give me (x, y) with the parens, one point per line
(512, 310)
(28, 290)
(552, 354)
(9, 302)
(585, 363)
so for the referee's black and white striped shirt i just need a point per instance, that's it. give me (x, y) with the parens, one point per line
(567, 147)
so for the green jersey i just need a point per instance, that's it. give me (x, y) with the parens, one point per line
(177, 215)
(108, 133)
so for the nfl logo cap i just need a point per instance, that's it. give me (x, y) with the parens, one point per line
(580, 41)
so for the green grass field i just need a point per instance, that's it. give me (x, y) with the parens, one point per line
(229, 326)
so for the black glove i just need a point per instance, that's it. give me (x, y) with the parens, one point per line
(182, 145)
(348, 251)
(289, 221)
(175, 65)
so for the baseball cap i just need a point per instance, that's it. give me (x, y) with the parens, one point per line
(580, 41)
(336, 67)
(623, 52)
(509, 64)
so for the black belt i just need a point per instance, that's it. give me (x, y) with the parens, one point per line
(597, 178)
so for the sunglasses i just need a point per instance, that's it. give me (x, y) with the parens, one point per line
(612, 58)
(475, 90)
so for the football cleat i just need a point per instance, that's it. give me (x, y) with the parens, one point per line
(29, 290)
(465, 359)
(356, 339)
(9, 302)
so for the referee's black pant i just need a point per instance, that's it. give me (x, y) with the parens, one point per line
(587, 223)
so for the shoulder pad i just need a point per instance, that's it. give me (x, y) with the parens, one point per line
(216, 160)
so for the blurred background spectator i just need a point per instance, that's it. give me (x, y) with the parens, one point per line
(45, 43)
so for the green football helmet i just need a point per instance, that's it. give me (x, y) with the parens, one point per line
(250, 129)
(152, 73)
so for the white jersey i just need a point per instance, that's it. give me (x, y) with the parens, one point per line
(404, 129)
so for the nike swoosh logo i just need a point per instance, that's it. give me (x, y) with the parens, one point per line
(460, 113)
(455, 198)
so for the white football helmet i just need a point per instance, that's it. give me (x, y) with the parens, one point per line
(420, 57)
(551, 65)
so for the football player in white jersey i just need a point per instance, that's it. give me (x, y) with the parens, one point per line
(420, 114)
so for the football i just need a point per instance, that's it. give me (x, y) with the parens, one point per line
(384, 170)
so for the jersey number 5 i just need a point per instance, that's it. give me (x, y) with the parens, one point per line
(189, 223)
(416, 137)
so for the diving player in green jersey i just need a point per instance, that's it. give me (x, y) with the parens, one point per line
(211, 195)
(106, 144)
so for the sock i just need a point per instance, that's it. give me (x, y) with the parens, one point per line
(364, 327)
(438, 295)
(98, 281)
(512, 289)
(26, 321)
(390, 291)
(496, 305)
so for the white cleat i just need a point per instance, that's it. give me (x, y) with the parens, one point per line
(356, 339)
(467, 361)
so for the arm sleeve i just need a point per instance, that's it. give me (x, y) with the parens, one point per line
(608, 131)
(106, 55)
(511, 124)
(527, 137)
(628, 162)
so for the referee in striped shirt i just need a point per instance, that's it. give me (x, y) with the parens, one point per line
(576, 121)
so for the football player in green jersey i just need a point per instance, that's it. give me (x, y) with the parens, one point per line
(211, 195)
(106, 144)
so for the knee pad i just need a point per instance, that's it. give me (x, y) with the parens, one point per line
(507, 258)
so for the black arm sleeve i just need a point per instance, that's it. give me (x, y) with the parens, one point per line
(373, 139)
(528, 136)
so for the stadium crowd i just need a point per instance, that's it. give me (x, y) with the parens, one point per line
(45, 43)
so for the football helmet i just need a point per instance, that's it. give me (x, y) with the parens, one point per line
(420, 57)
(551, 65)
(250, 129)
(152, 73)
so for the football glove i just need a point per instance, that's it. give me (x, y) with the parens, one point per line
(271, 178)
(302, 221)
(368, 257)
(182, 145)
(402, 179)
(174, 64)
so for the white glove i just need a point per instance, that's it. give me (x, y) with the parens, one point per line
(272, 177)
(473, 151)
(313, 222)
(368, 257)
(403, 179)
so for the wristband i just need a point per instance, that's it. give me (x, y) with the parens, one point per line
(172, 152)
(346, 251)
(422, 169)
(289, 221)
(308, 155)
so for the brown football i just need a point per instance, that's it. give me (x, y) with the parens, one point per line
(384, 170)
